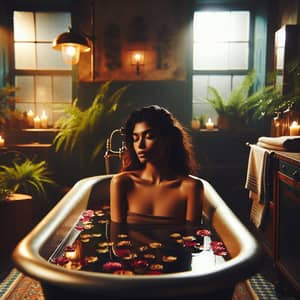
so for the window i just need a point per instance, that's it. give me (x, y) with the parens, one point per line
(221, 51)
(42, 79)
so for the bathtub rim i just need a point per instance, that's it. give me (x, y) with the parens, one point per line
(28, 260)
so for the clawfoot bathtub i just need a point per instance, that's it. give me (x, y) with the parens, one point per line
(32, 253)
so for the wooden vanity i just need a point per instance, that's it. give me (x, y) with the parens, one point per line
(279, 234)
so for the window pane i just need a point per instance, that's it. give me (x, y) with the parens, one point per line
(24, 26)
(237, 80)
(43, 89)
(239, 26)
(49, 59)
(24, 107)
(238, 56)
(206, 110)
(62, 89)
(200, 83)
(211, 26)
(49, 25)
(222, 83)
(25, 56)
(25, 91)
(211, 56)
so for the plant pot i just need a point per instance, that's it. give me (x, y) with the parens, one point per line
(224, 122)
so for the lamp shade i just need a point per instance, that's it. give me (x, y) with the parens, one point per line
(71, 44)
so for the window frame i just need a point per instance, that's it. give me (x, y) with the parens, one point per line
(38, 72)
(234, 72)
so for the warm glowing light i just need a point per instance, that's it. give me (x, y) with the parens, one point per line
(70, 53)
(2, 141)
(30, 116)
(37, 122)
(209, 124)
(294, 128)
(137, 59)
(44, 120)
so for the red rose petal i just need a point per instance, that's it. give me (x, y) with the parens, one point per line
(140, 263)
(203, 232)
(112, 266)
(61, 260)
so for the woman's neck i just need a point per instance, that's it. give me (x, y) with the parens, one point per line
(155, 174)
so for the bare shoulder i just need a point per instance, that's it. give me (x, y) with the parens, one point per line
(120, 179)
(123, 177)
(192, 182)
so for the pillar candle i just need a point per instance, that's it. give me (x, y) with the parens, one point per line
(195, 124)
(37, 122)
(30, 116)
(44, 120)
(209, 125)
(2, 141)
(294, 128)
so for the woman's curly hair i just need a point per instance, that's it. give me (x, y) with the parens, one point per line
(177, 147)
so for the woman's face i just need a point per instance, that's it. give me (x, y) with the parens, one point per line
(145, 142)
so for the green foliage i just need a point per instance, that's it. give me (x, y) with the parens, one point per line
(7, 102)
(264, 103)
(4, 193)
(25, 177)
(245, 107)
(232, 107)
(84, 132)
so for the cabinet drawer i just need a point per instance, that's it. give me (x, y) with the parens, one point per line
(289, 170)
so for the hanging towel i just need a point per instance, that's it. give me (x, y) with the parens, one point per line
(258, 178)
(280, 143)
(259, 182)
(258, 210)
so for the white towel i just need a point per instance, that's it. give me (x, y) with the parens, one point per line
(280, 143)
(259, 182)
(271, 146)
(257, 179)
(258, 210)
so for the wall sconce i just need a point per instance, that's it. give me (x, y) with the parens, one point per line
(71, 44)
(137, 60)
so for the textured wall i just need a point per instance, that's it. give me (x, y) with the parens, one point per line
(158, 28)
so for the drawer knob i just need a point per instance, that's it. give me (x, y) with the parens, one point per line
(295, 174)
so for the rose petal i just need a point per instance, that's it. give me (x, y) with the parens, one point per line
(203, 232)
(61, 260)
(112, 266)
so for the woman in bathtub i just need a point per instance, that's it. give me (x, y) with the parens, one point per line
(155, 185)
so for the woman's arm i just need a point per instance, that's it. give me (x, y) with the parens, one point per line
(194, 188)
(118, 198)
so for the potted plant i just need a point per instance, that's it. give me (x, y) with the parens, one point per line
(230, 110)
(25, 177)
(243, 108)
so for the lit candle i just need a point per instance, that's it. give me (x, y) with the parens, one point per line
(44, 120)
(37, 122)
(30, 115)
(294, 128)
(195, 124)
(2, 141)
(209, 124)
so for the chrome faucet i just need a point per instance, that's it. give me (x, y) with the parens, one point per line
(109, 153)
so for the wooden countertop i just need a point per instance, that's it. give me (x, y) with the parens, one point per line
(292, 157)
